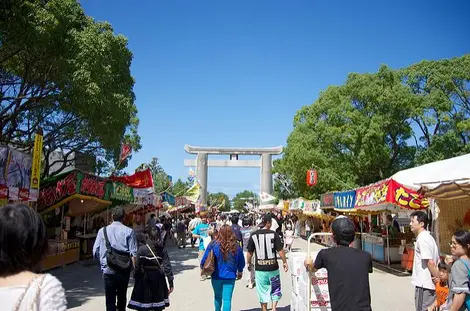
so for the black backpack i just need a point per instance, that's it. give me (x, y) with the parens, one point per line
(119, 261)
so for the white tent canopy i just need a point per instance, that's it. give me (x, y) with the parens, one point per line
(431, 175)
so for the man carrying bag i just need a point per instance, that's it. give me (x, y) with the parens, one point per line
(115, 247)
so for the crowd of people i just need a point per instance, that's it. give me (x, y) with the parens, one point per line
(230, 248)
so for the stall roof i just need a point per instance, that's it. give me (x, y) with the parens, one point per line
(448, 191)
(432, 175)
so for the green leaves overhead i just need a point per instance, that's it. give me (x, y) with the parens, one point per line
(68, 74)
(242, 197)
(377, 124)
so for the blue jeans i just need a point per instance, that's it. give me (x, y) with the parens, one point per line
(223, 290)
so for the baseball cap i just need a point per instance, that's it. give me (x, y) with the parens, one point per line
(266, 218)
(343, 230)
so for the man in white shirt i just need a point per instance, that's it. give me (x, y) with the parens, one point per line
(426, 258)
(191, 226)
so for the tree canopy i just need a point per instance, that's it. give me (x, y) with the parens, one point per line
(219, 199)
(377, 124)
(65, 73)
(240, 198)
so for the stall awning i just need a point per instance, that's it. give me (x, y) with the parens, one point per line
(448, 191)
(432, 175)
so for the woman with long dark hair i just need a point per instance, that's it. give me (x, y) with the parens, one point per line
(151, 291)
(229, 264)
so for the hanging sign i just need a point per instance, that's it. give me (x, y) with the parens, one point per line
(36, 165)
(326, 200)
(122, 192)
(311, 206)
(344, 200)
(75, 182)
(144, 196)
(312, 178)
(406, 197)
(372, 195)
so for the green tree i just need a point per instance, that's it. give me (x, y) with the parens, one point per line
(441, 107)
(180, 187)
(216, 199)
(68, 74)
(240, 198)
(161, 180)
(363, 131)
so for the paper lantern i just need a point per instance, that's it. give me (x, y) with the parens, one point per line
(312, 178)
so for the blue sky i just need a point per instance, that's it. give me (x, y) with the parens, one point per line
(234, 73)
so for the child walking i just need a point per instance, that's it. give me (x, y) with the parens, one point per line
(442, 287)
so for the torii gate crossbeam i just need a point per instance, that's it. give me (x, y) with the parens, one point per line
(202, 163)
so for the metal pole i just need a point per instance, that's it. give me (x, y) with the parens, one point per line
(388, 242)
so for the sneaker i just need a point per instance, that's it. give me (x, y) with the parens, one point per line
(203, 278)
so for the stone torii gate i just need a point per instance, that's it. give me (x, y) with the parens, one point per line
(202, 163)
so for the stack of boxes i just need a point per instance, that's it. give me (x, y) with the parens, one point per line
(319, 299)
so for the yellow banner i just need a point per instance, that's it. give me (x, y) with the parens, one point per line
(193, 193)
(36, 165)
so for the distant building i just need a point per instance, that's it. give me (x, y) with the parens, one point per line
(77, 160)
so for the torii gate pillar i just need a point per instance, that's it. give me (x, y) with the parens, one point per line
(202, 163)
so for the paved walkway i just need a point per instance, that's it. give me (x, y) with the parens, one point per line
(84, 287)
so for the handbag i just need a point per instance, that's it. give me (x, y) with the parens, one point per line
(209, 265)
(117, 260)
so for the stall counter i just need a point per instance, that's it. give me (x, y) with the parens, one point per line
(376, 245)
(60, 253)
(86, 245)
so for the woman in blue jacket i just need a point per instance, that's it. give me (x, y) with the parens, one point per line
(229, 264)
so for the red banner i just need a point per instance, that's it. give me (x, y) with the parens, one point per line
(389, 191)
(405, 197)
(126, 150)
(142, 179)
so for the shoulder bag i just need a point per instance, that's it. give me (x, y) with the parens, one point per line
(117, 260)
(159, 265)
(209, 265)
(35, 299)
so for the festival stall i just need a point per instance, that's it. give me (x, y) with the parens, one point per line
(447, 184)
(143, 200)
(344, 202)
(74, 194)
(387, 196)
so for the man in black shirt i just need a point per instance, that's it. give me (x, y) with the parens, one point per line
(266, 243)
(348, 269)
(236, 229)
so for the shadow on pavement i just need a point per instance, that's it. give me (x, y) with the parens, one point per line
(83, 280)
(179, 256)
(394, 269)
(286, 308)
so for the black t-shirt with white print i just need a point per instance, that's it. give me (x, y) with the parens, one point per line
(265, 243)
(348, 277)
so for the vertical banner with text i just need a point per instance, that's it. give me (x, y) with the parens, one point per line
(36, 165)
